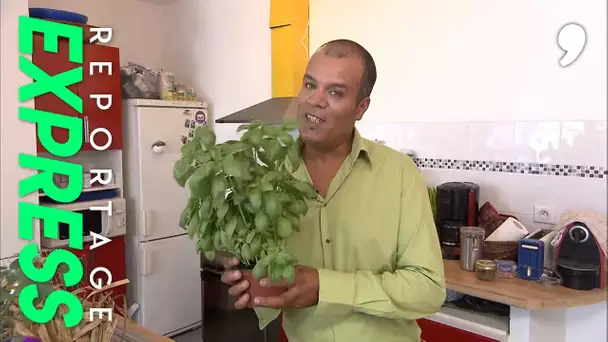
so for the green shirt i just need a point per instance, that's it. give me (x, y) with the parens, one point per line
(374, 242)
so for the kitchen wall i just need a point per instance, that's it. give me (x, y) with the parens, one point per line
(221, 48)
(137, 25)
(15, 136)
(480, 96)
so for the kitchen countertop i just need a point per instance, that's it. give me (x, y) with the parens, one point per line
(517, 292)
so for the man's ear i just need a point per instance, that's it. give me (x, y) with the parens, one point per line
(362, 107)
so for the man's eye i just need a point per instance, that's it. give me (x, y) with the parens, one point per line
(308, 85)
(335, 93)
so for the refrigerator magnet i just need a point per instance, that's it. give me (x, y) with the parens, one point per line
(200, 118)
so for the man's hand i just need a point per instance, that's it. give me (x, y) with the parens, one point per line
(302, 293)
(238, 287)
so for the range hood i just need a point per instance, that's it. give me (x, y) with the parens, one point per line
(274, 111)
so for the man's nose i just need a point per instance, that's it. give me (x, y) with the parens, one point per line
(317, 98)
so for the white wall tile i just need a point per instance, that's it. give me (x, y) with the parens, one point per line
(583, 143)
(537, 142)
(492, 141)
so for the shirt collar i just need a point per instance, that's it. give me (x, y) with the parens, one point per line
(359, 149)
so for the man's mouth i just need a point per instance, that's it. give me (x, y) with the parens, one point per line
(314, 119)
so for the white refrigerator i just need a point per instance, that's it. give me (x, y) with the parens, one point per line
(162, 262)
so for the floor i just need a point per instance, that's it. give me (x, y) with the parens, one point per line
(190, 336)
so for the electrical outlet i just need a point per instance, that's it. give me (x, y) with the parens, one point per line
(543, 214)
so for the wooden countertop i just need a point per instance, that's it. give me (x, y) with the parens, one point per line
(517, 292)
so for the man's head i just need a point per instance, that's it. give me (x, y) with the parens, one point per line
(335, 93)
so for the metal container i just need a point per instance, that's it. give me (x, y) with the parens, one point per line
(471, 246)
(485, 270)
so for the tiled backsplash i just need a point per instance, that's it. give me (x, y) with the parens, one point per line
(518, 165)
(569, 143)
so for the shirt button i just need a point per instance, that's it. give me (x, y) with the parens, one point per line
(327, 241)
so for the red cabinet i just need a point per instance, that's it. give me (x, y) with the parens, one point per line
(100, 82)
(436, 332)
(112, 256)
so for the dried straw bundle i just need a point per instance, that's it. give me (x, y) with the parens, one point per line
(96, 330)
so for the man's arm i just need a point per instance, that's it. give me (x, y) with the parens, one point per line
(416, 289)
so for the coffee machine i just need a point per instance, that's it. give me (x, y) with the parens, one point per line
(580, 260)
(457, 206)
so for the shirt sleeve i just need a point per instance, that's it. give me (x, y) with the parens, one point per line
(416, 288)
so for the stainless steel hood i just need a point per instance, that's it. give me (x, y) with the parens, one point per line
(274, 110)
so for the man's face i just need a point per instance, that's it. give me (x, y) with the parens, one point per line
(327, 104)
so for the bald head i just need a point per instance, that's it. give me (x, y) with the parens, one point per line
(344, 48)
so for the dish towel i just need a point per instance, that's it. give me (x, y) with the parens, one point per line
(595, 222)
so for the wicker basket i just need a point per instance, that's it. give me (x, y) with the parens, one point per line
(500, 250)
(490, 219)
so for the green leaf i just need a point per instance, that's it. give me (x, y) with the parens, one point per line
(193, 226)
(275, 272)
(202, 156)
(260, 270)
(188, 150)
(266, 186)
(231, 226)
(206, 135)
(272, 149)
(246, 252)
(242, 128)
(217, 240)
(222, 210)
(284, 228)
(255, 245)
(286, 139)
(255, 199)
(299, 207)
(293, 155)
(271, 131)
(218, 187)
(294, 220)
(271, 176)
(250, 236)
(198, 183)
(289, 274)
(262, 221)
(255, 136)
(205, 209)
(182, 170)
(272, 205)
(184, 217)
(233, 167)
(210, 254)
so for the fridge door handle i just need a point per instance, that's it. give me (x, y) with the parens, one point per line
(144, 223)
(145, 261)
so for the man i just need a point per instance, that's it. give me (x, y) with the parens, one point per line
(370, 261)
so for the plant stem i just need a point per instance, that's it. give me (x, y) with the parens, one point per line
(232, 187)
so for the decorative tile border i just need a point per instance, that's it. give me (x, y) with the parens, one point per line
(514, 167)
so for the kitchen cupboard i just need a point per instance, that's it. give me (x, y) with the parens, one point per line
(100, 83)
(437, 332)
